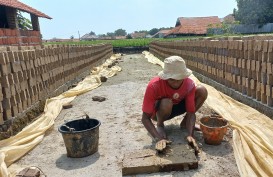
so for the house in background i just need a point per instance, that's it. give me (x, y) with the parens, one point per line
(148, 36)
(88, 37)
(161, 33)
(120, 37)
(10, 34)
(189, 26)
(138, 35)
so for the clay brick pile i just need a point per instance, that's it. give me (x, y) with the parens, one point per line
(9, 37)
(31, 74)
(242, 64)
(29, 37)
(19, 37)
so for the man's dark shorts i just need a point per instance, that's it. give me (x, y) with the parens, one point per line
(177, 109)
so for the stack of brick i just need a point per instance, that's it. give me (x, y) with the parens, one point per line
(30, 38)
(9, 37)
(242, 64)
(15, 37)
(32, 74)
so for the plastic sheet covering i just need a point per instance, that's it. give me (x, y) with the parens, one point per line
(15, 147)
(252, 130)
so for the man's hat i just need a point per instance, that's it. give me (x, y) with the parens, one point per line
(174, 68)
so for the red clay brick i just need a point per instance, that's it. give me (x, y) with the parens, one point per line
(1, 33)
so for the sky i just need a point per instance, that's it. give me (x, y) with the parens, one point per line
(101, 16)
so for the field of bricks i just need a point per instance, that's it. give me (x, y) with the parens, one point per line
(30, 74)
(242, 64)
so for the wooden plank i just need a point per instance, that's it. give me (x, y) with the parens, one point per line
(177, 158)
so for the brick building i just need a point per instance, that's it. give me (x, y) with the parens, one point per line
(10, 33)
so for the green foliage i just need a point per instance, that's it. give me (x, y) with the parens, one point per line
(92, 33)
(142, 31)
(118, 43)
(23, 22)
(110, 34)
(210, 25)
(153, 31)
(165, 28)
(129, 36)
(102, 35)
(254, 11)
(120, 32)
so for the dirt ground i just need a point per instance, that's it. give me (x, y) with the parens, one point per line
(121, 131)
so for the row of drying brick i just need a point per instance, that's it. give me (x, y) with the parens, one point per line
(264, 65)
(250, 77)
(253, 53)
(246, 85)
(28, 76)
(252, 45)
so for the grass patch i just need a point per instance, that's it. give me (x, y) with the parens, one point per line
(137, 42)
(119, 42)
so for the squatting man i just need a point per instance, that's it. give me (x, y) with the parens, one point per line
(170, 94)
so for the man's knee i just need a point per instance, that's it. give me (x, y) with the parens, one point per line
(166, 105)
(201, 92)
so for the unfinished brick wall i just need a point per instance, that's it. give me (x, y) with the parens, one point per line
(17, 37)
(29, 38)
(244, 65)
(31, 74)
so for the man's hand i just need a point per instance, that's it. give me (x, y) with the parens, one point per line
(193, 144)
(161, 144)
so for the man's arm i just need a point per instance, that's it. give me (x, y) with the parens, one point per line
(146, 120)
(190, 123)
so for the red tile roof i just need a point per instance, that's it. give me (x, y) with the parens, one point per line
(194, 25)
(23, 7)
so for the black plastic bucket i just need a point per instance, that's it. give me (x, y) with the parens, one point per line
(81, 137)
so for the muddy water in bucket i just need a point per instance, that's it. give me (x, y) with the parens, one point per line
(213, 129)
(81, 137)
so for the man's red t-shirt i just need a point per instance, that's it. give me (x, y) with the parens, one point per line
(159, 88)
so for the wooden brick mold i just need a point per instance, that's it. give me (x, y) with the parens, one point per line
(30, 74)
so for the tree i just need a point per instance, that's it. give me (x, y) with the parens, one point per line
(92, 33)
(142, 31)
(129, 36)
(102, 35)
(120, 32)
(72, 37)
(153, 31)
(165, 28)
(254, 11)
(23, 22)
(110, 34)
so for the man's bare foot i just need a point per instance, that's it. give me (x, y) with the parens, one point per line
(193, 144)
(161, 131)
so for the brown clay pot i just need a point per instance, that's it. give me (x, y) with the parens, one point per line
(213, 129)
